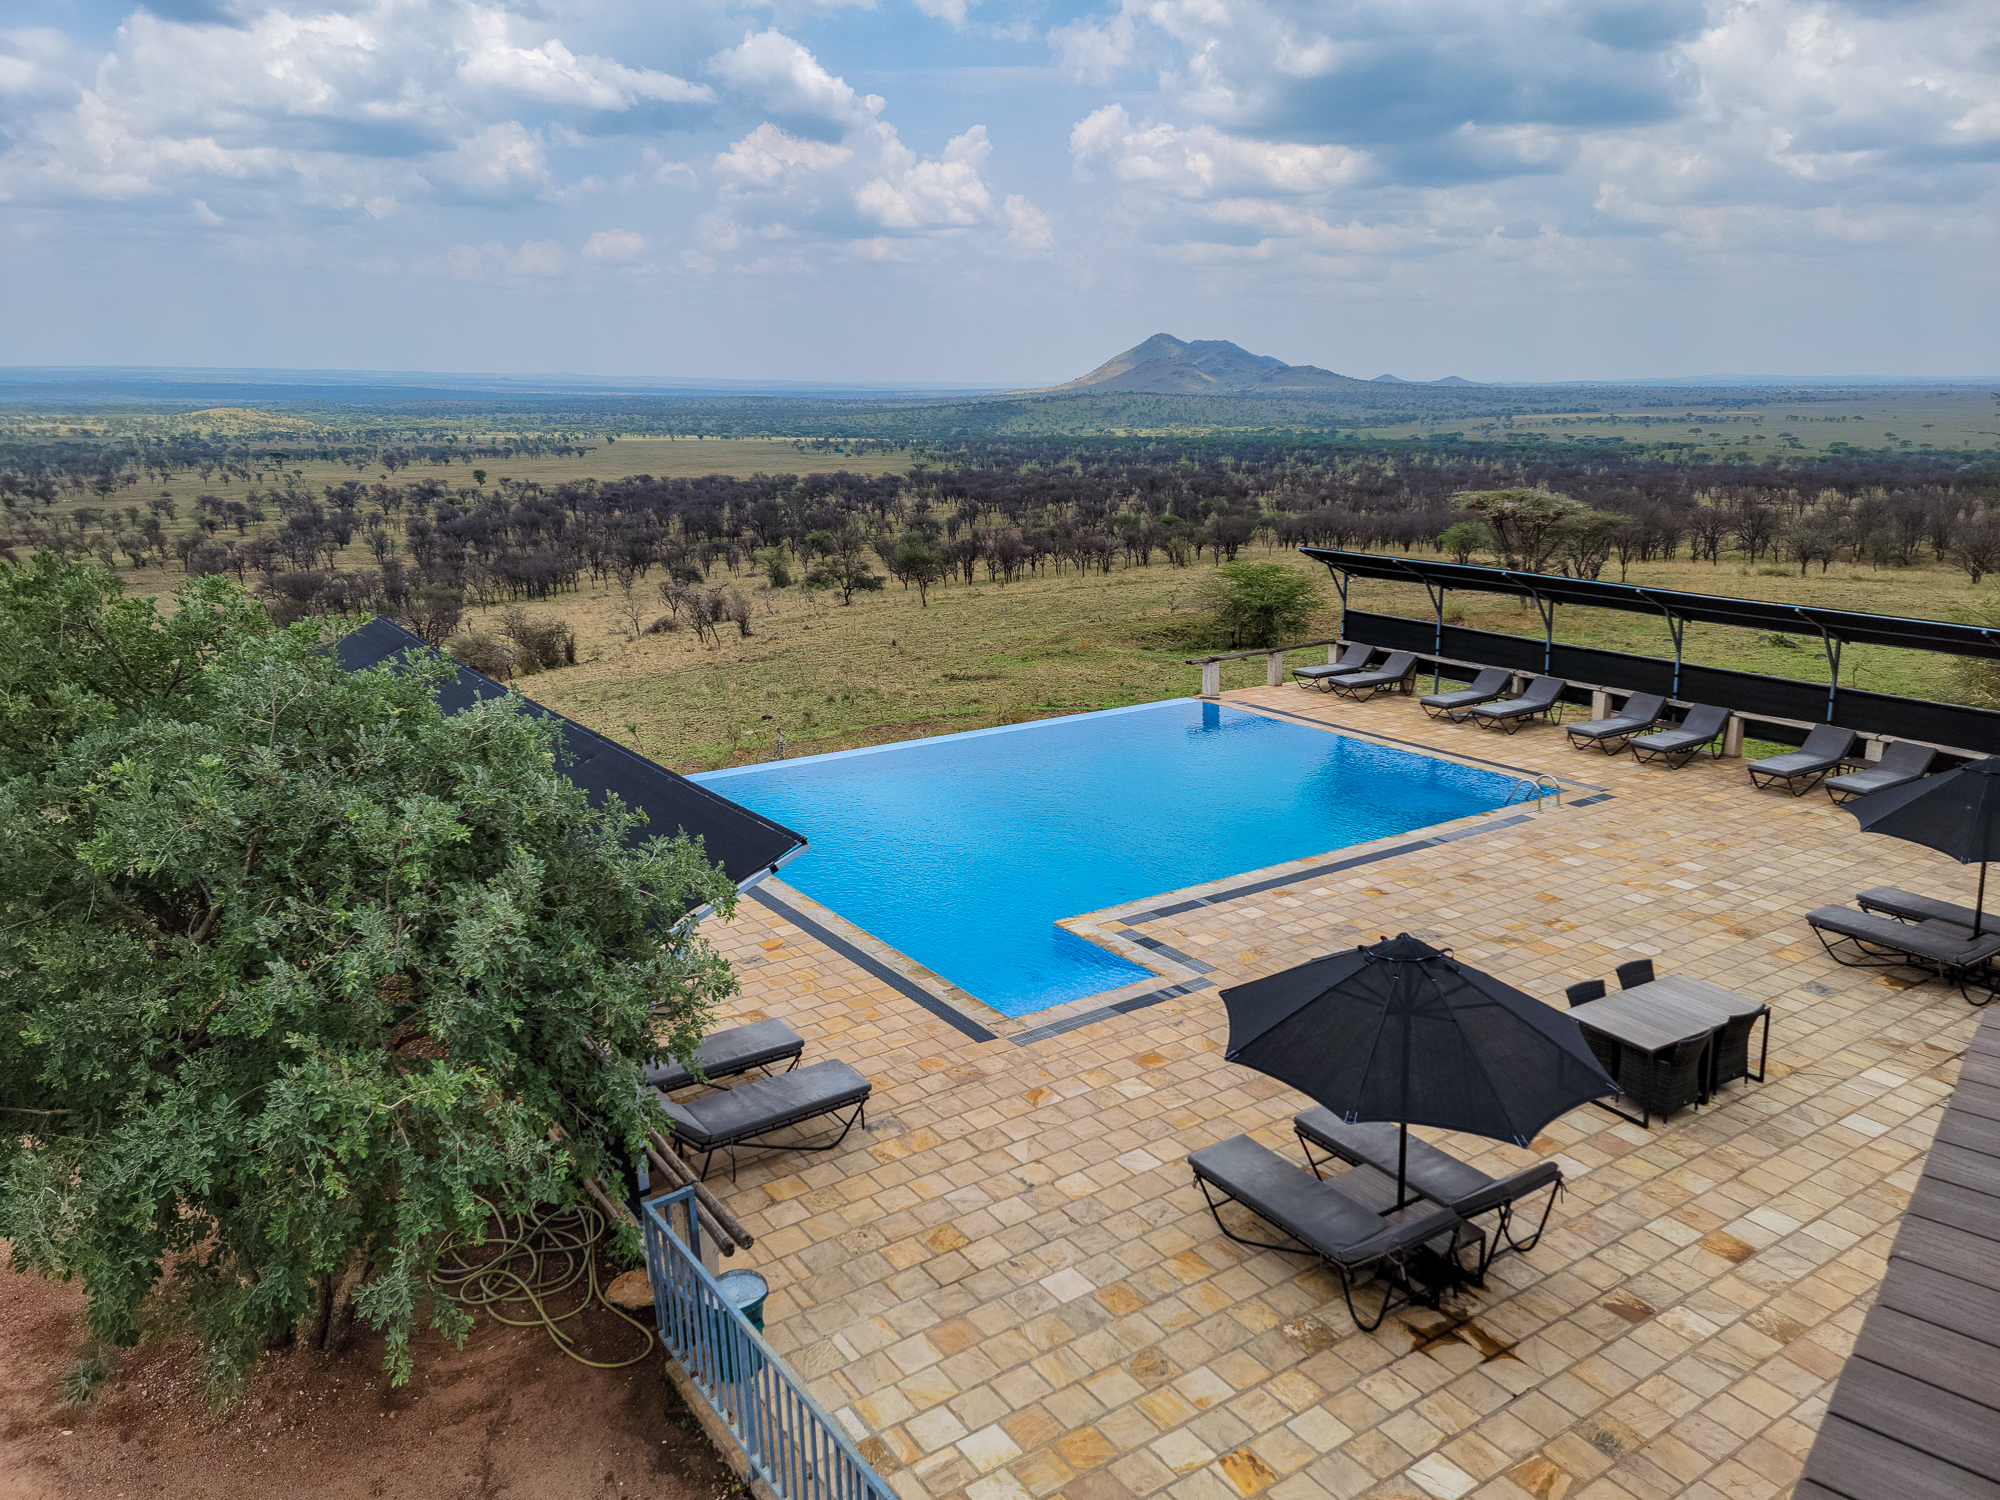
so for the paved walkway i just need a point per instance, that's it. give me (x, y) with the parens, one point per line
(1009, 1285)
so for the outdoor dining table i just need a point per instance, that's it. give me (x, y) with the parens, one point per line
(1663, 1013)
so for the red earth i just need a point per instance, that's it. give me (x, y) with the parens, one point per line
(508, 1415)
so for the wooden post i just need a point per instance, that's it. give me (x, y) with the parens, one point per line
(1732, 736)
(1600, 704)
(1872, 748)
(1274, 669)
(1211, 679)
(1333, 655)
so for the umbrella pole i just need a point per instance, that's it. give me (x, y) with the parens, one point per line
(1402, 1165)
(1979, 904)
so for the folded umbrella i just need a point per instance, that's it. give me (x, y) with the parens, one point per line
(1402, 1032)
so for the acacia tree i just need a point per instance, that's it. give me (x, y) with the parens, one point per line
(1529, 527)
(301, 971)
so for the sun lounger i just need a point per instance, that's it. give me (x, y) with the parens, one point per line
(745, 1114)
(1699, 731)
(1349, 1235)
(1824, 751)
(1544, 696)
(1639, 713)
(724, 1054)
(1911, 907)
(1438, 1175)
(1488, 685)
(1352, 660)
(1945, 948)
(1902, 762)
(1395, 674)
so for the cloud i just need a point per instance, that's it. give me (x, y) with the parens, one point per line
(913, 194)
(786, 83)
(767, 157)
(553, 74)
(614, 246)
(1394, 128)
(501, 161)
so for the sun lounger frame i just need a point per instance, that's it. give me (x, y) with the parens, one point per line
(752, 1133)
(1386, 1261)
(1879, 942)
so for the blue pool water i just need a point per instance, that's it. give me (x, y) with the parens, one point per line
(962, 851)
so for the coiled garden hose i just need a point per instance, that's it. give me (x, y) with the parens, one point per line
(529, 1262)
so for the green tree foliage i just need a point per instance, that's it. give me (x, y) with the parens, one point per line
(915, 561)
(299, 970)
(1529, 527)
(1463, 538)
(1260, 604)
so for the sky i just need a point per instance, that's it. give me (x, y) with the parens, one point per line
(1003, 192)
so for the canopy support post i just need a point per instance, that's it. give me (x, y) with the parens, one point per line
(1546, 608)
(1831, 644)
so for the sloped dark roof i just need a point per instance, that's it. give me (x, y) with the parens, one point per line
(744, 843)
(1711, 609)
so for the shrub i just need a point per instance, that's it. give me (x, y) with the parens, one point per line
(483, 653)
(1259, 604)
(547, 644)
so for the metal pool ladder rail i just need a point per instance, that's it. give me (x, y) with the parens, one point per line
(1534, 788)
(791, 1442)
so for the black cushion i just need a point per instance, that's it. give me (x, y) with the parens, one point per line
(723, 1054)
(1315, 1213)
(1938, 941)
(1438, 1175)
(1915, 908)
(764, 1104)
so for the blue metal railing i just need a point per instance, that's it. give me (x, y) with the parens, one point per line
(792, 1443)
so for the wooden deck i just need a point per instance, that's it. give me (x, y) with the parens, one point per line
(1916, 1415)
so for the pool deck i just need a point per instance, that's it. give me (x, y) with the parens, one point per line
(1010, 1287)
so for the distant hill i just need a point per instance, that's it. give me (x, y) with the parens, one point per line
(1167, 366)
(1446, 380)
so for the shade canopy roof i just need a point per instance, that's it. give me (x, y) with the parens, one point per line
(1709, 609)
(1955, 812)
(746, 844)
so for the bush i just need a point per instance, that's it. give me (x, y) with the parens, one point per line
(483, 653)
(540, 645)
(1259, 604)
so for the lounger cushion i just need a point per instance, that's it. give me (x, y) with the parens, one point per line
(1875, 779)
(1542, 695)
(1940, 942)
(1316, 1213)
(1459, 698)
(1604, 729)
(1436, 1174)
(1331, 669)
(1915, 908)
(723, 1054)
(764, 1104)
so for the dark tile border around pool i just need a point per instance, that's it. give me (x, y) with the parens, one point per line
(874, 966)
(1133, 919)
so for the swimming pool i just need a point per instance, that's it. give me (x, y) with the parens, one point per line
(964, 850)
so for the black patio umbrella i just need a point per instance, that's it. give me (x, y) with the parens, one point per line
(1403, 1033)
(1955, 812)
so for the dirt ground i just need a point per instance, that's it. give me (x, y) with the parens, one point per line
(506, 1416)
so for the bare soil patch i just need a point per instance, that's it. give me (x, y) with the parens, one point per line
(506, 1416)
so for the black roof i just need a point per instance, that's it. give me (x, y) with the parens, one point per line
(744, 843)
(1710, 609)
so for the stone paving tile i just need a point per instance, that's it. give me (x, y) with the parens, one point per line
(1008, 1286)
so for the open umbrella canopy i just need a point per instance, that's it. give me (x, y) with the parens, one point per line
(1955, 812)
(1401, 1032)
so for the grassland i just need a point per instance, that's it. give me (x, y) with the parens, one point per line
(830, 677)
(1942, 419)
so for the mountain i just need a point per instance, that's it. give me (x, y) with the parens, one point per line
(1446, 380)
(1167, 366)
